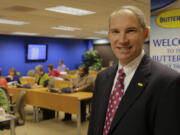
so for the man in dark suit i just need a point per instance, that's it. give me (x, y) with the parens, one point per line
(150, 104)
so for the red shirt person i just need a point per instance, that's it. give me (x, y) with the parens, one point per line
(3, 82)
(53, 72)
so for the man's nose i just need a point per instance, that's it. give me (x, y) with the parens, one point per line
(123, 38)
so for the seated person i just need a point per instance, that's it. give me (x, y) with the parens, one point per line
(13, 76)
(42, 81)
(4, 103)
(41, 78)
(3, 82)
(62, 67)
(111, 63)
(84, 82)
(53, 72)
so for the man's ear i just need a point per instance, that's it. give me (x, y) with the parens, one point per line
(146, 32)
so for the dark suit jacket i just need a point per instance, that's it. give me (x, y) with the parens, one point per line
(151, 109)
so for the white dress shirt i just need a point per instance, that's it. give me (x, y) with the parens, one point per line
(129, 70)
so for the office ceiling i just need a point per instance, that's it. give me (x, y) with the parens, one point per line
(41, 21)
(160, 6)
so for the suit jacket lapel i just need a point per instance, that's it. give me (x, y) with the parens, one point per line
(134, 90)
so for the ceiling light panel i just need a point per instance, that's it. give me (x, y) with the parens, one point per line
(61, 35)
(101, 41)
(5, 21)
(70, 10)
(25, 33)
(93, 37)
(101, 32)
(66, 28)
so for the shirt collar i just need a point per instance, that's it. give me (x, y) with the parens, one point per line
(129, 68)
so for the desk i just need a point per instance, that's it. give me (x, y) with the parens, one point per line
(59, 84)
(10, 118)
(66, 102)
(70, 76)
(27, 80)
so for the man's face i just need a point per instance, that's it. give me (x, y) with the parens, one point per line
(126, 36)
(60, 62)
(81, 72)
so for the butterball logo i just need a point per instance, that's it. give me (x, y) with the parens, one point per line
(169, 19)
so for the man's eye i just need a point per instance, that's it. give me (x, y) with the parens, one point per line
(131, 30)
(115, 31)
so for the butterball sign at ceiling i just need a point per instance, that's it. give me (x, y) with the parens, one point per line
(169, 19)
(165, 38)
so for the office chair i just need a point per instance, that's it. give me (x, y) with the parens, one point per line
(17, 108)
(5, 90)
(18, 73)
(18, 112)
(51, 82)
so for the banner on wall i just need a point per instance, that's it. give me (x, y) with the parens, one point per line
(165, 38)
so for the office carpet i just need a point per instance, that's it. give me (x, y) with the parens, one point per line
(47, 127)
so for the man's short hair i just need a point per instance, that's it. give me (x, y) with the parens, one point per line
(39, 68)
(138, 12)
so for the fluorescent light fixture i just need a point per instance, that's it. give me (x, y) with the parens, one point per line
(25, 33)
(5, 21)
(101, 32)
(61, 35)
(101, 41)
(93, 38)
(66, 28)
(70, 10)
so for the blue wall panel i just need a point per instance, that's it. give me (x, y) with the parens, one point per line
(12, 52)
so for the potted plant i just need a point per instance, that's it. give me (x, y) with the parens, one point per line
(92, 59)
